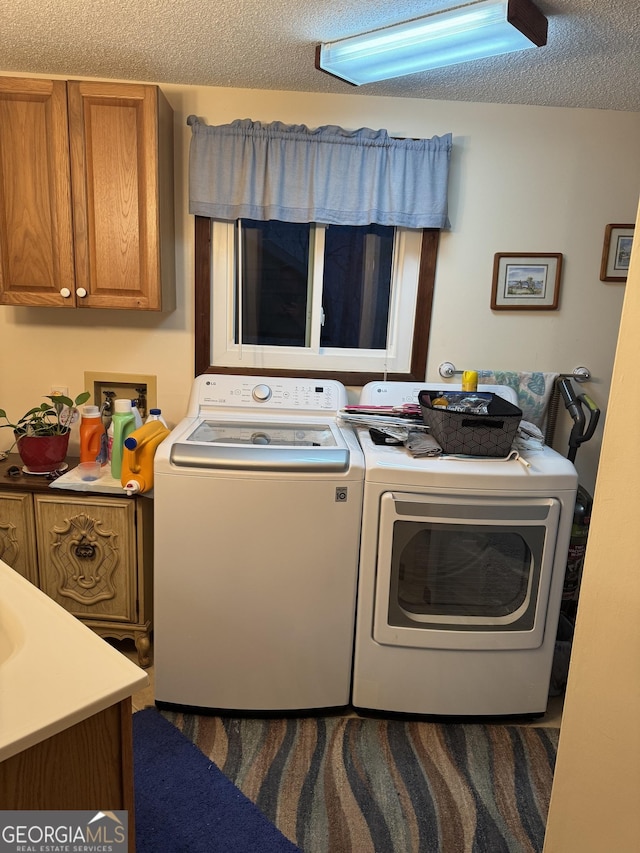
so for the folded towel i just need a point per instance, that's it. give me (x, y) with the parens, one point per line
(419, 443)
(528, 437)
(533, 389)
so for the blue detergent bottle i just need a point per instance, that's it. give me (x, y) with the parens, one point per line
(124, 423)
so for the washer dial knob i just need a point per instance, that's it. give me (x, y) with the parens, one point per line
(261, 393)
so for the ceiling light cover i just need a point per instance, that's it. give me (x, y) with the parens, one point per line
(475, 31)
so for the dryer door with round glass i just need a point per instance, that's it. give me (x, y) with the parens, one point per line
(464, 573)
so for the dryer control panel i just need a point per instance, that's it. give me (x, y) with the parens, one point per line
(219, 391)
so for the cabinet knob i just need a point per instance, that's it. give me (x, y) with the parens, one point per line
(65, 292)
(85, 551)
(81, 292)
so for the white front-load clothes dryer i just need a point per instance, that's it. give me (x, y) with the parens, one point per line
(462, 565)
(258, 500)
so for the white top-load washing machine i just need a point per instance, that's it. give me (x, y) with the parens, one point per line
(258, 500)
(462, 565)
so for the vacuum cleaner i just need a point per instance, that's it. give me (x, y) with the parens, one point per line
(582, 430)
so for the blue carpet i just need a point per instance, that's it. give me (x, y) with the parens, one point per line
(184, 804)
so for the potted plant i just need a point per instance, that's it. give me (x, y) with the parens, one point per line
(42, 433)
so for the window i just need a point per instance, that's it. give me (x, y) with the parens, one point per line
(275, 285)
(352, 302)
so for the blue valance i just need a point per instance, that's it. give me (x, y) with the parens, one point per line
(251, 170)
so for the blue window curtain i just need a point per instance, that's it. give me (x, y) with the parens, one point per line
(251, 170)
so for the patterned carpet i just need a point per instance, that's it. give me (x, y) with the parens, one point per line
(360, 785)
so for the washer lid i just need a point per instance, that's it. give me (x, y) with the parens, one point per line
(274, 434)
(255, 446)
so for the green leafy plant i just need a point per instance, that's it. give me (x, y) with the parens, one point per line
(52, 418)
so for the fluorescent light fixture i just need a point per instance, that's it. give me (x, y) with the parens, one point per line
(474, 31)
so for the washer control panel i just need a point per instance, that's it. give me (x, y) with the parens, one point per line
(219, 391)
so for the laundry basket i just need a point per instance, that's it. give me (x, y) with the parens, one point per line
(466, 432)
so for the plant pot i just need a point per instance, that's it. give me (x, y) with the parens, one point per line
(42, 454)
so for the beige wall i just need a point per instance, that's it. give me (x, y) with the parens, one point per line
(596, 788)
(523, 179)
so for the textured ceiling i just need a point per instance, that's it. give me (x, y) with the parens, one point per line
(591, 59)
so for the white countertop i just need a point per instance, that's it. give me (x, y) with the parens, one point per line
(54, 671)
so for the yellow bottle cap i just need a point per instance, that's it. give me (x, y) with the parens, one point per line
(470, 380)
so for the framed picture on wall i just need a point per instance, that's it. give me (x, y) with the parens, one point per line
(616, 252)
(526, 282)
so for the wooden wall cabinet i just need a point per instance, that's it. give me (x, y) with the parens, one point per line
(92, 554)
(86, 195)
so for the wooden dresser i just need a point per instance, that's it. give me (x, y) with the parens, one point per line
(91, 553)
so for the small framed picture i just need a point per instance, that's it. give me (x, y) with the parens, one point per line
(616, 252)
(526, 282)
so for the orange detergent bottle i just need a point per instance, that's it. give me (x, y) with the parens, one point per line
(91, 432)
(137, 456)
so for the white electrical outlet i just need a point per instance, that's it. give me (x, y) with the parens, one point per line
(59, 389)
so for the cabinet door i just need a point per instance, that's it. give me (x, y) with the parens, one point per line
(88, 555)
(114, 173)
(36, 246)
(17, 534)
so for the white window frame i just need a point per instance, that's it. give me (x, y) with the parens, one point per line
(227, 354)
